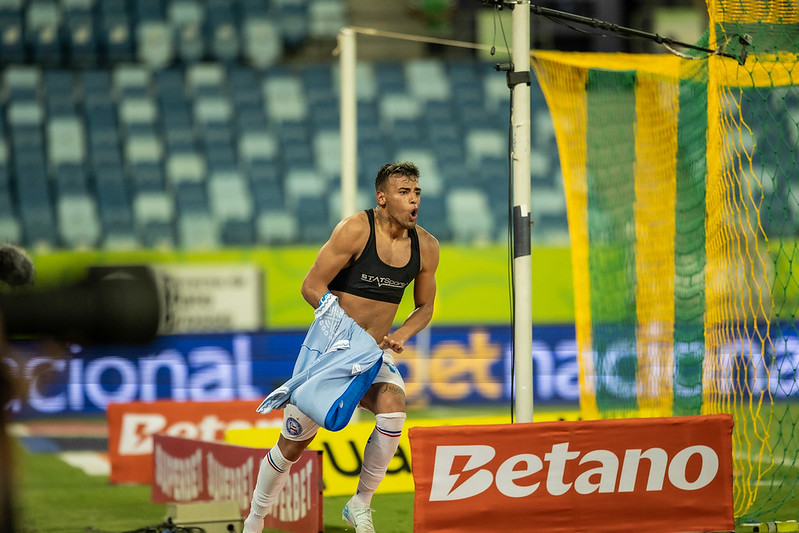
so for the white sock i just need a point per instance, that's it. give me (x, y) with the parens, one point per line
(380, 449)
(272, 475)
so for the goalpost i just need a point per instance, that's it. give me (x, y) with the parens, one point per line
(519, 81)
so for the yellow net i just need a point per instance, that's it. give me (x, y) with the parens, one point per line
(683, 204)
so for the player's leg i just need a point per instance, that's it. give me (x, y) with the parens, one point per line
(386, 398)
(297, 433)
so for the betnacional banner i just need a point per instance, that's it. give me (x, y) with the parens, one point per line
(190, 470)
(132, 426)
(658, 475)
(447, 365)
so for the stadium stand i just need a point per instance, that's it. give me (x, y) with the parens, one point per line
(141, 123)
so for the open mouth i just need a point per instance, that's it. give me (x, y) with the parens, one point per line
(414, 212)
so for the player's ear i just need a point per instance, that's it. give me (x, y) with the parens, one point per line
(381, 198)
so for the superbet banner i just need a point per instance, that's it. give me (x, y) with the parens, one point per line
(131, 427)
(657, 475)
(189, 470)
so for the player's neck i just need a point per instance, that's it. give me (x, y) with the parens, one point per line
(388, 226)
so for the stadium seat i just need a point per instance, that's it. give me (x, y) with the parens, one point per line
(66, 141)
(301, 184)
(469, 216)
(284, 99)
(78, 223)
(237, 233)
(230, 197)
(157, 234)
(197, 231)
(263, 46)
(185, 167)
(427, 80)
(153, 206)
(325, 19)
(277, 227)
(21, 83)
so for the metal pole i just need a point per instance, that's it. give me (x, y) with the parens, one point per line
(349, 121)
(520, 120)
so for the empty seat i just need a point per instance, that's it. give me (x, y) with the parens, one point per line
(78, 223)
(206, 79)
(185, 167)
(262, 42)
(397, 106)
(301, 184)
(257, 146)
(482, 143)
(327, 152)
(325, 18)
(157, 234)
(229, 196)
(277, 227)
(427, 79)
(155, 44)
(237, 232)
(469, 216)
(197, 231)
(153, 206)
(131, 81)
(65, 141)
(284, 98)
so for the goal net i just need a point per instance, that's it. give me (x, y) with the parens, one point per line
(682, 188)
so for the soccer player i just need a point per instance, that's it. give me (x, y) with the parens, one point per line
(367, 262)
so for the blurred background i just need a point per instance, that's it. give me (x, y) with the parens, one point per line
(200, 138)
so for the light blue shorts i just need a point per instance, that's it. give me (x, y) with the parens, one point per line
(298, 427)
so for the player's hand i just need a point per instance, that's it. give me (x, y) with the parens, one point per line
(391, 344)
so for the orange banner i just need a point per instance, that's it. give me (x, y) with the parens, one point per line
(657, 475)
(131, 427)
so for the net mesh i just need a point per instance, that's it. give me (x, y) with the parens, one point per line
(683, 205)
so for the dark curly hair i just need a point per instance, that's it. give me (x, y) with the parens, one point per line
(403, 168)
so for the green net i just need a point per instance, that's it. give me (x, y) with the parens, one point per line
(683, 203)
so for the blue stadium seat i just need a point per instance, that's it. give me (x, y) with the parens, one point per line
(277, 227)
(229, 196)
(198, 231)
(238, 233)
(43, 32)
(157, 234)
(315, 224)
(77, 219)
(262, 46)
(268, 196)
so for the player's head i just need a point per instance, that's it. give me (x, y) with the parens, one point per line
(398, 193)
(403, 168)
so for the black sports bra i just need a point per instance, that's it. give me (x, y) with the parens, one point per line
(369, 277)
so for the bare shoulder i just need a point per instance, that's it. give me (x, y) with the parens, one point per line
(352, 231)
(428, 247)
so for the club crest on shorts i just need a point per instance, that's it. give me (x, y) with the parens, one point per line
(293, 426)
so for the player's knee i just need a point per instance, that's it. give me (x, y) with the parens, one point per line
(292, 449)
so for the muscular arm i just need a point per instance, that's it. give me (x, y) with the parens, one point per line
(345, 243)
(424, 295)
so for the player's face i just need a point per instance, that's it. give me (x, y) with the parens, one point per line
(402, 198)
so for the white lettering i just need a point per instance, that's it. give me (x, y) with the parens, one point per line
(136, 433)
(657, 469)
(679, 466)
(181, 479)
(452, 483)
(230, 483)
(444, 481)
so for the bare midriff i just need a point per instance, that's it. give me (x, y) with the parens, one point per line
(374, 316)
